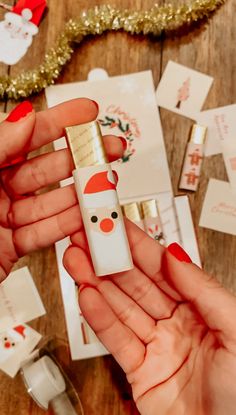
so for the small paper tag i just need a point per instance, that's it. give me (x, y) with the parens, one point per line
(182, 90)
(219, 208)
(19, 300)
(221, 126)
(15, 345)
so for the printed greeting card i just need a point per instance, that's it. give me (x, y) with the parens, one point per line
(182, 90)
(16, 344)
(19, 300)
(127, 108)
(219, 208)
(221, 126)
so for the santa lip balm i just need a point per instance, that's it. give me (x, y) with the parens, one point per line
(95, 185)
(193, 159)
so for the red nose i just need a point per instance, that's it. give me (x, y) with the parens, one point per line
(106, 225)
(7, 345)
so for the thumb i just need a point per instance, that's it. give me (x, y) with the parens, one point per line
(214, 303)
(15, 133)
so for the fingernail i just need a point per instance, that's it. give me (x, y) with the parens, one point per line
(124, 142)
(83, 286)
(96, 104)
(178, 252)
(20, 111)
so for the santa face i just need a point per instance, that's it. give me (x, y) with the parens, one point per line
(104, 219)
(9, 341)
(16, 36)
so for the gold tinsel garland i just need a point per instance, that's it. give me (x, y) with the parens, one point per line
(96, 21)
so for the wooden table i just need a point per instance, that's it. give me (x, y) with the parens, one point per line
(210, 49)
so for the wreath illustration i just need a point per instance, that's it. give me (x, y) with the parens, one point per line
(124, 128)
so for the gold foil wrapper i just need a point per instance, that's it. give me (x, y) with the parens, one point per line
(132, 212)
(149, 209)
(86, 144)
(198, 134)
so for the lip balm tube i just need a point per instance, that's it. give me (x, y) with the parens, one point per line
(152, 221)
(95, 184)
(193, 159)
(132, 212)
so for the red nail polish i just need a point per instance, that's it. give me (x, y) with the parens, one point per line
(83, 286)
(20, 111)
(96, 104)
(178, 252)
(124, 142)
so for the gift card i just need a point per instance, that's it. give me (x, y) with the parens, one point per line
(221, 126)
(182, 90)
(127, 108)
(187, 230)
(19, 299)
(219, 208)
(83, 342)
(15, 345)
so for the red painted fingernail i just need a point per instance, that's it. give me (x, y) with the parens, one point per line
(20, 111)
(83, 286)
(178, 252)
(96, 104)
(124, 142)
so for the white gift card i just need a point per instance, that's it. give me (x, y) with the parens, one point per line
(182, 90)
(221, 126)
(15, 346)
(19, 299)
(187, 230)
(219, 208)
(83, 342)
(127, 108)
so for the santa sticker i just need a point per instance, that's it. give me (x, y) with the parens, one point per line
(18, 28)
(16, 344)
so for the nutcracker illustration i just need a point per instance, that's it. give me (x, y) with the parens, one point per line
(183, 93)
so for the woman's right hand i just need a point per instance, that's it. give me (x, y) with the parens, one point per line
(171, 327)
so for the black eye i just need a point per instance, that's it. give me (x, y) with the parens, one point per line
(114, 215)
(5, 339)
(94, 219)
(13, 344)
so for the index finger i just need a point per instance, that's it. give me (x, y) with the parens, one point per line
(50, 124)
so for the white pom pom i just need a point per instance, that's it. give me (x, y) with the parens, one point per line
(27, 14)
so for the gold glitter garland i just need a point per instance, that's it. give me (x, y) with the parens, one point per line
(96, 21)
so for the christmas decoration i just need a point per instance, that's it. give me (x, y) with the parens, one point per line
(18, 28)
(96, 21)
(125, 130)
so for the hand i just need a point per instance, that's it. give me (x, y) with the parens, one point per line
(28, 221)
(170, 326)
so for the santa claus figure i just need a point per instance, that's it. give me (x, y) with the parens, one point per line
(104, 224)
(9, 340)
(18, 28)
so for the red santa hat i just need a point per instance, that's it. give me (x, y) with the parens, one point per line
(100, 190)
(20, 330)
(30, 10)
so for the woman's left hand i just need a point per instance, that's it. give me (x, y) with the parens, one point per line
(29, 221)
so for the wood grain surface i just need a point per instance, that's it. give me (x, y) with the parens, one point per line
(211, 49)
